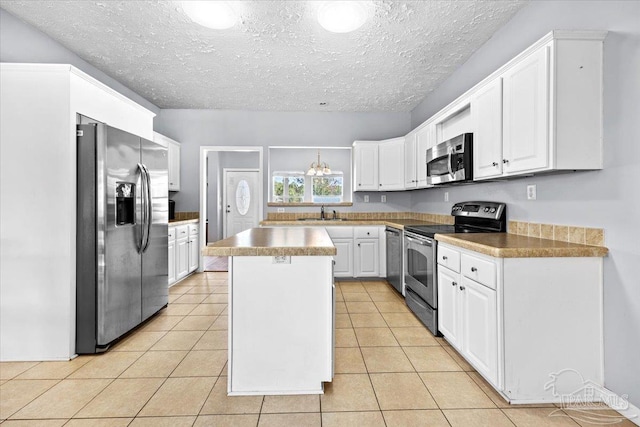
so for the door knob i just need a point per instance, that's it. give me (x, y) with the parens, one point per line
(474, 269)
(462, 288)
(454, 284)
(505, 161)
(494, 164)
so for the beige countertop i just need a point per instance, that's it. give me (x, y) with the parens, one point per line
(503, 245)
(291, 241)
(396, 223)
(176, 222)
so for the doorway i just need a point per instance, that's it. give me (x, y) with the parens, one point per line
(214, 161)
(240, 208)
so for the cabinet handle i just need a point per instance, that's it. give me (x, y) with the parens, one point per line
(368, 234)
(494, 164)
(444, 257)
(171, 183)
(380, 185)
(474, 269)
(454, 284)
(505, 161)
(359, 185)
(358, 244)
(462, 288)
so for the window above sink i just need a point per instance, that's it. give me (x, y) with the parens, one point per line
(297, 188)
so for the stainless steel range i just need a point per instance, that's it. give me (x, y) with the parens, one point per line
(420, 267)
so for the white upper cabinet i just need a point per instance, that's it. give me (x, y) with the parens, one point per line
(391, 164)
(486, 110)
(425, 139)
(542, 112)
(174, 159)
(410, 161)
(526, 114)
(365, 166)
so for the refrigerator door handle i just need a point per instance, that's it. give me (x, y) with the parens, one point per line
(149, 208)
(143, 198)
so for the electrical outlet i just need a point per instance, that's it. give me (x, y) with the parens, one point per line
(446, 196)
(531, 192)
(281, 259)
(280, 210)
(383, 198)
(366, 198)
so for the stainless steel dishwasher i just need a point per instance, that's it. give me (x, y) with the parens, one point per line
(394, 258)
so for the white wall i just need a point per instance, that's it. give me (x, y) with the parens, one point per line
(608, 198)
(195, 128)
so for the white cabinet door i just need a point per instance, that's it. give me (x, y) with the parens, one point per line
(174, 166)
(486, 109)
(194, 253)
(391, 164)
(365, 166)
(410, 163)
(480, 337)
(526, 114)
(425, 139)
(448, 306)
(172, 261)
(344, 258)
(182, 258)
(367, 263)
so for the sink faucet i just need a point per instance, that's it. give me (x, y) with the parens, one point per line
(322, 212)
(335, 214)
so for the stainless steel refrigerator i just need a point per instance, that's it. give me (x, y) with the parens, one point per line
(121, 247)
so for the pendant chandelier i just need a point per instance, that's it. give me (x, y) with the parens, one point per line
(318, 168)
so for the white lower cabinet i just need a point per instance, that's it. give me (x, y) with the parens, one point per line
(367, 258)
(172, 255)
(343, 266)
(479, 327)
(184, 251)
(194, 248)
(521, 322)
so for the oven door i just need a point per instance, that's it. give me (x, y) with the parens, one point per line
(419, 274)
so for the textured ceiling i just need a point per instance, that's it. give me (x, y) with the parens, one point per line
(277, 57)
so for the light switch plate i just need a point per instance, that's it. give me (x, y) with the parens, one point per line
(446, 196)
(383, 198)
(531, 192)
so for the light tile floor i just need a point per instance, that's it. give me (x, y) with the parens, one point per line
(171, 371)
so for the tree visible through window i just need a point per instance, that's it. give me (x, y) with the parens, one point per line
(288, 187)
(327, 189)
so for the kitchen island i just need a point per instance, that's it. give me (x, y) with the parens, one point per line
(281, 310)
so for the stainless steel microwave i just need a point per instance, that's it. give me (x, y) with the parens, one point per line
(451, 160)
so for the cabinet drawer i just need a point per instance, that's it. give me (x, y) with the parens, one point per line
(171, 233)
(480, 270)
(366, 232)
(340, 232)
(182, 232)
(449, 258)
(193, 229)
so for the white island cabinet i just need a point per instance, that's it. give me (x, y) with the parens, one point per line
(281, 310)
(527, 314)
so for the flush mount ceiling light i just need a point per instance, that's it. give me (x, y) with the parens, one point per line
(218, 15)
(318, 169)
(342, 16)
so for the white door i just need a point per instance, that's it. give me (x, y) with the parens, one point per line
(241, 201)
(526, 114)
(366, 166)
(486, 109)
(480, 328)
(448, 310)
(344, 258)
(391, 164)
(367, 256)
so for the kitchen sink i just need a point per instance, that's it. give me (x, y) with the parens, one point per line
(319, 219)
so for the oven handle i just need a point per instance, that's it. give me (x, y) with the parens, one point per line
(449, 162)
(422, 242)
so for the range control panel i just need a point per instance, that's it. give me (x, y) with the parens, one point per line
(489, 210)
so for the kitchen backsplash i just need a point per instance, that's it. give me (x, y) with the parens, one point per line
(292, 216)
(564, 233)
(180, 216)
